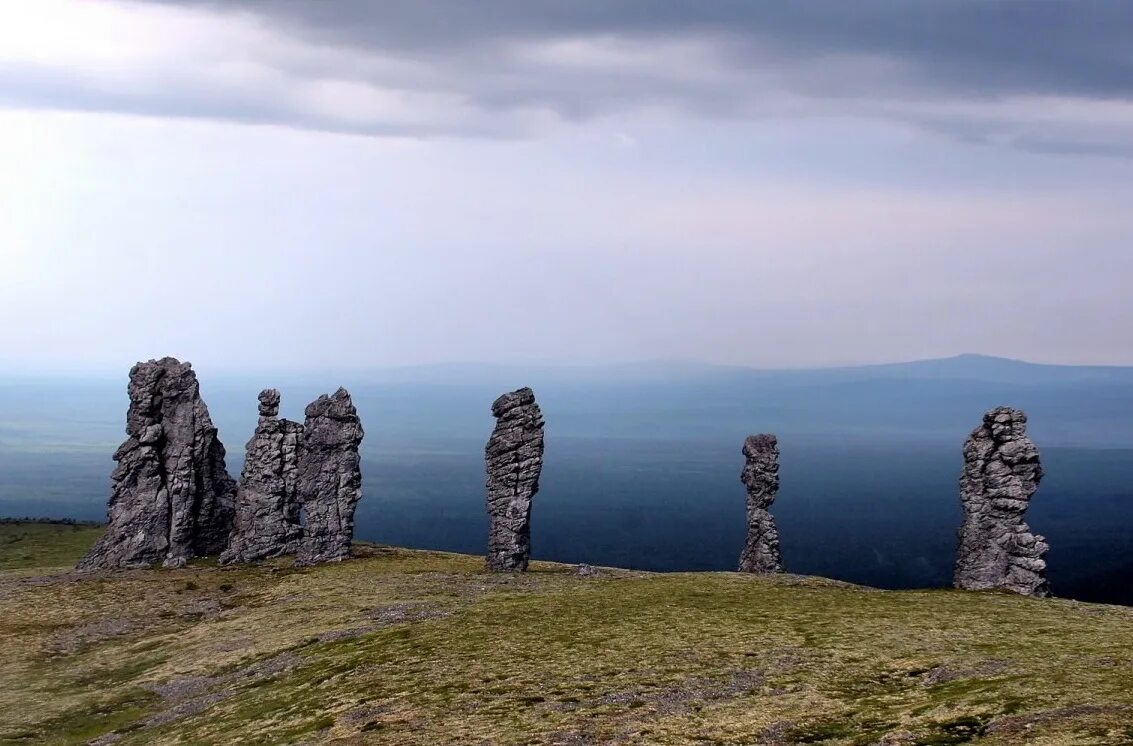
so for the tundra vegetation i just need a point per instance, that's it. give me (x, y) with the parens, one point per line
(415, 647)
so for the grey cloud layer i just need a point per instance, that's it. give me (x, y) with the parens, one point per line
(978, 71)
(1056, 47)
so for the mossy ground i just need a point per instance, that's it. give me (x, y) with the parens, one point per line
(25, 545)
(410, 647)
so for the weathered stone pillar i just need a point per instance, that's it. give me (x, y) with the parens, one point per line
(1001, 472)
(171, 497)
(330, 478)
(761, 477)
(514, 458)
(267, 501)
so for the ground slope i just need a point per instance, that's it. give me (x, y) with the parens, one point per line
(411, 647)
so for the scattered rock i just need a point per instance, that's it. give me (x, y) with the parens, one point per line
(189, 696)
(400, 613)
(387, 616)
(1019, 724)
(342, 634)
(761, 552)
(267, 501)
(694, 691)
(201, 608)
(943, 674)
(330, 478)
(172, 498)
(514, 457)
(777, 734)
(74, 639)
(367, 716)
(639, 706)
(1001, 472)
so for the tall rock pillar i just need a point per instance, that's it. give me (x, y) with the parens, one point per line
(267, 501)
(761, 478)
(514, 459)
(330, 478)
(1001, 472)
(171, 497)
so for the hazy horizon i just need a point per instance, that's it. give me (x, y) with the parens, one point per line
(661, 365)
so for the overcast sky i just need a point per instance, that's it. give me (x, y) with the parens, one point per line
(307, 184)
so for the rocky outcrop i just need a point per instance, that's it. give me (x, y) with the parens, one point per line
(761, 477)
(514, 457)
(268, 502)
(1001, 472)
(172, 498)
(330, 478)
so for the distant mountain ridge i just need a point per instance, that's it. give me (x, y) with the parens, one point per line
(989, 368)
(941, 399)
(967, 366)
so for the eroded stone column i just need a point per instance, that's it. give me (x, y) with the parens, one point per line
(1002, 471)
(330, 478)
(267, 501)
(514, 458)
(171, 496)
(761, 478)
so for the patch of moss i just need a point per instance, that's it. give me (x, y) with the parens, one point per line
(314, 655)
(43, 545)
(82, 724)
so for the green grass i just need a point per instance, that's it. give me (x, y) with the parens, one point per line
(409, 647)
(44, 545)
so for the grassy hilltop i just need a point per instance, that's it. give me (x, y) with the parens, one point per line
(414, 647)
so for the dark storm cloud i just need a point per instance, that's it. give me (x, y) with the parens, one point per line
(1072, 47)
(504, 68)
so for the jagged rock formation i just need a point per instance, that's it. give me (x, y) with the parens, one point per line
(1001, 472)
(330, 478)
(172, 498)
(514, 457)
(267, 502)
(761, 477)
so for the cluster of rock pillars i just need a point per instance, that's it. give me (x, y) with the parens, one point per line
(172, 497)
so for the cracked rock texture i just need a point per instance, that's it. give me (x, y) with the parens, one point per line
(761, 478)
(330, 478)
(267, 501)
(1001, 472)
(514, 458)
(171, 498)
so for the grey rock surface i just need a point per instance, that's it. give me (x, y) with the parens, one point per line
(330, 478)
(1002, 470)
(172, 498)
(269, 403)
(267, 501)
(514, 458)
(760, 476)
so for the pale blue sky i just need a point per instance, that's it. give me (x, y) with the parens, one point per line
(304, 184)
